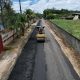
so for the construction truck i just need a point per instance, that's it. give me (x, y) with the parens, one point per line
(40, 36)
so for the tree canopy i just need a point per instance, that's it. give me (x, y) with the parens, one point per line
(55, 13)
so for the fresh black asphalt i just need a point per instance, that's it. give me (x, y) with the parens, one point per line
(23, 69)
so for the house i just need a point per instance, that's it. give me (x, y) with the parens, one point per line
(76, 16)
(70, 17)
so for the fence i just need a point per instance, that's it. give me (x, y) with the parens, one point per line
(8, 37)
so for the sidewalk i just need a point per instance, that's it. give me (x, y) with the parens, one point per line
(8, 58)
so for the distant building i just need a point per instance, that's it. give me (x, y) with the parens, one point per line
(73, 16)
(70, 17)
(76, 16)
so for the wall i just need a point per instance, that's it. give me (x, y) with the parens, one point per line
(73, 41)
(1, 44)
(8, 37)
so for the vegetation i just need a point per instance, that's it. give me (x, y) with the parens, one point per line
(71, 26)
(30, 15)
(38, 15)
(57, 14)
(63, 19)
(12, 20)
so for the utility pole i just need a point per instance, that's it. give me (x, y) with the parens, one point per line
(20, 6)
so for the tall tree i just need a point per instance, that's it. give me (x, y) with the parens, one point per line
(1, 12)
(8, 13)
(29, 14)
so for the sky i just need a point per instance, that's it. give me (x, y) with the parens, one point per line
(40, 5)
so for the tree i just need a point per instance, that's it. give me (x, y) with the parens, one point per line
(48, 14)
(29, 15)
(7, 13)
(1, 12)
(38, 15)
(54, 13)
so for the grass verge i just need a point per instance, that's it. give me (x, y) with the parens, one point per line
(71, 26)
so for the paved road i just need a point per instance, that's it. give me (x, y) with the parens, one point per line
(23, 69)
(43, 61)
(58, 66)
(40, 63)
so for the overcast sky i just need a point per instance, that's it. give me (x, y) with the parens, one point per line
(40, 5)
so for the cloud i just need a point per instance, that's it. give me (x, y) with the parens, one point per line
(24, 4)
(40, 5)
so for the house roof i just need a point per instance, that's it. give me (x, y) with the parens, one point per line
(76, 13)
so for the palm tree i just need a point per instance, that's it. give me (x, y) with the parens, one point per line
(29, 14)
(21, 19)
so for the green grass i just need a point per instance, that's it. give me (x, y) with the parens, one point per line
(71, 26)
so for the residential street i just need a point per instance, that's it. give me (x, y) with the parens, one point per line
(43, 61)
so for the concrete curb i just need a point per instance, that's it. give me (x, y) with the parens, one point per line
(7, 64)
